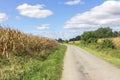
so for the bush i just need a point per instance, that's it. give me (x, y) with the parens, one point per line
(89, 37)
(107, 44)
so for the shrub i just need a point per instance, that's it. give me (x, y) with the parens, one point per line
(106, 43)
(89, 37)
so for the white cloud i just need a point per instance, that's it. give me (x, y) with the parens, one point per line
(73, 2)
(34, 11)
(3, 17)
(106, 14)
(43, 27)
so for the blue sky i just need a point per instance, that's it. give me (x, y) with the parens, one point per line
(59, 18)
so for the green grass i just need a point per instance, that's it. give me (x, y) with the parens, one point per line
(110, 55)
(47, 66)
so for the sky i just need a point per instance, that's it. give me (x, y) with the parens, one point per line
(59, 18)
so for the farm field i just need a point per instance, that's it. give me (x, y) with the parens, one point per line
(116, 41)
(29, 57)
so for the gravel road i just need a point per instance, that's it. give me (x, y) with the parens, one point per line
(81, 65)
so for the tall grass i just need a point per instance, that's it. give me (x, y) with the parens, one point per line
(50, 69)
(35, 69)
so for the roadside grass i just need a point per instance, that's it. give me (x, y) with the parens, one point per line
(39, 67)
(109, 55)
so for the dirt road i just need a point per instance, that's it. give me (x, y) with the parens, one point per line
(81, 65)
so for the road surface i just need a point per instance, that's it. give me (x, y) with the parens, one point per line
(81, 65)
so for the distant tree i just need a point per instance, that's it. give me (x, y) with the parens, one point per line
(66, 41)
(119, 33)
(89, 37)
(116, 34)
(104, 32)
(75, 39)
(60, 40)
(72, 39)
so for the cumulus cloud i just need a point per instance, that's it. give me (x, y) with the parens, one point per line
(3, 17)
(34, 11)
(106, 14)
(43, 27)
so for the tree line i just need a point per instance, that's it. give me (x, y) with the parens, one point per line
(93, 36)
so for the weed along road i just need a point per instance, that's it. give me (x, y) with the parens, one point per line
(81, 65)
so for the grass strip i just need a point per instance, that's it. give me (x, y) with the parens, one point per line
(103, 54)
(50, 69)
(46, 68)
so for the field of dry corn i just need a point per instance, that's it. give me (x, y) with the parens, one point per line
(15, 49)
(13, 41)
(116, 41)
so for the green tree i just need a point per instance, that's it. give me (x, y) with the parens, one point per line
(89, 37)
(75, 39)
(104, 32)
(60, 40)
(66, 41)
(116, 34)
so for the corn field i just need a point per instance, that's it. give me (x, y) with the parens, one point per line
(116, 42)
(14, 41)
